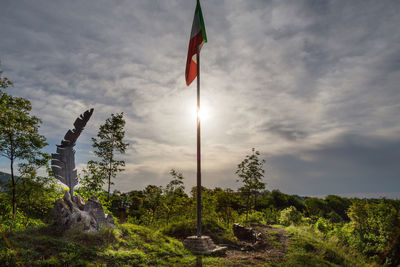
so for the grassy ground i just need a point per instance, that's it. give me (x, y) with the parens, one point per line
(308, 247)
(134, 245)
(126, 245)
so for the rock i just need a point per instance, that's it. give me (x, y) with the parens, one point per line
(94, 208)
(109, 219)
(61, 212)
(72, 213)
(83, 221)
(245, 233)
(77, 199)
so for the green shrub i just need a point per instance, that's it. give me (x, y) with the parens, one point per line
(374, 228)
(308, 247)
(216, 230)
(271, 215)
(254, 217)
(290, 216)
(324, 225)
(20, 223)
(334, 217)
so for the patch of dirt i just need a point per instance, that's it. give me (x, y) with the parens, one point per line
(271, 246)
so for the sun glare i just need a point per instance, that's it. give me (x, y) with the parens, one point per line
(204, 113)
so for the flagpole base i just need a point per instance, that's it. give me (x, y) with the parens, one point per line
(203, 245)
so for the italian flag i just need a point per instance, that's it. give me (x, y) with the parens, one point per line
(197, 38)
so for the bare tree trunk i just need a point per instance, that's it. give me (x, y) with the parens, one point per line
(12, 186)
(255, 200)
(247, 205)
(108, 191)
(109, 180)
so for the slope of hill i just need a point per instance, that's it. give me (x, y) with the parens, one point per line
(134, 245)
(3, 180)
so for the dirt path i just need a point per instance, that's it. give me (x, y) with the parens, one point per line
(270, 248)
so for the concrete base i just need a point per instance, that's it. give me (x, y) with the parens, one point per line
(202, 245)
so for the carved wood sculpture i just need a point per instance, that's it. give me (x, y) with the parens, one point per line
(63, 162)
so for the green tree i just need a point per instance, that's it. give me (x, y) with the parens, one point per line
(175, 186)
(375, 226)
(19, 134)
(4, 81)
(316, 207)
(289, 216)
(338, 205)
(251, 173)
(36, 194)
(175, 200)
(92, 181)
(225, 202)
(110, 142)
(152, 201)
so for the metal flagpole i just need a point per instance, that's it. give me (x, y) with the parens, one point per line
(198, 148)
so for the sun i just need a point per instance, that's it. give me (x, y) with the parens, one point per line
(204, 113)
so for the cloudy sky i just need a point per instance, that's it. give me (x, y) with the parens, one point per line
(312, 85)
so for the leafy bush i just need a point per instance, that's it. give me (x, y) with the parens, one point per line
(374, 230)
(271, 215)
(290, 216)
(334, 217)
(323, 225)
(217, 231)
(254, 217)
(20, 223)
(5, 206)
(309, 248)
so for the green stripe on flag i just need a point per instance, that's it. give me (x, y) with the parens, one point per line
(203, 27)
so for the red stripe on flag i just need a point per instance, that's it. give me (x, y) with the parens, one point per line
(191, 66)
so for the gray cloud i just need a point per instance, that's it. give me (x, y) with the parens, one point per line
(348, 164)
(296, 80)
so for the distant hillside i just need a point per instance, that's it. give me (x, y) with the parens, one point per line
(3, 180)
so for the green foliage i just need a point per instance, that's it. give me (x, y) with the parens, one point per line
(4, 81)
(218, 232)
(279, 200)
(175, 201)
(338, 206)
(108, 142)
(227, 203)
(316, 207)
(309, 248)
(271, 215)
(251, 172)
(19, 135)
(5, 206)
(127, 245)
(254, 217)
(92, 181)
(18, 222)
(374, 228)
(333, 208)
(324, 225)
(152, 203)
(176, 185)
(290, 216)
(36, 194)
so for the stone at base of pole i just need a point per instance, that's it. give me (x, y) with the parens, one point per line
(203, 246)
